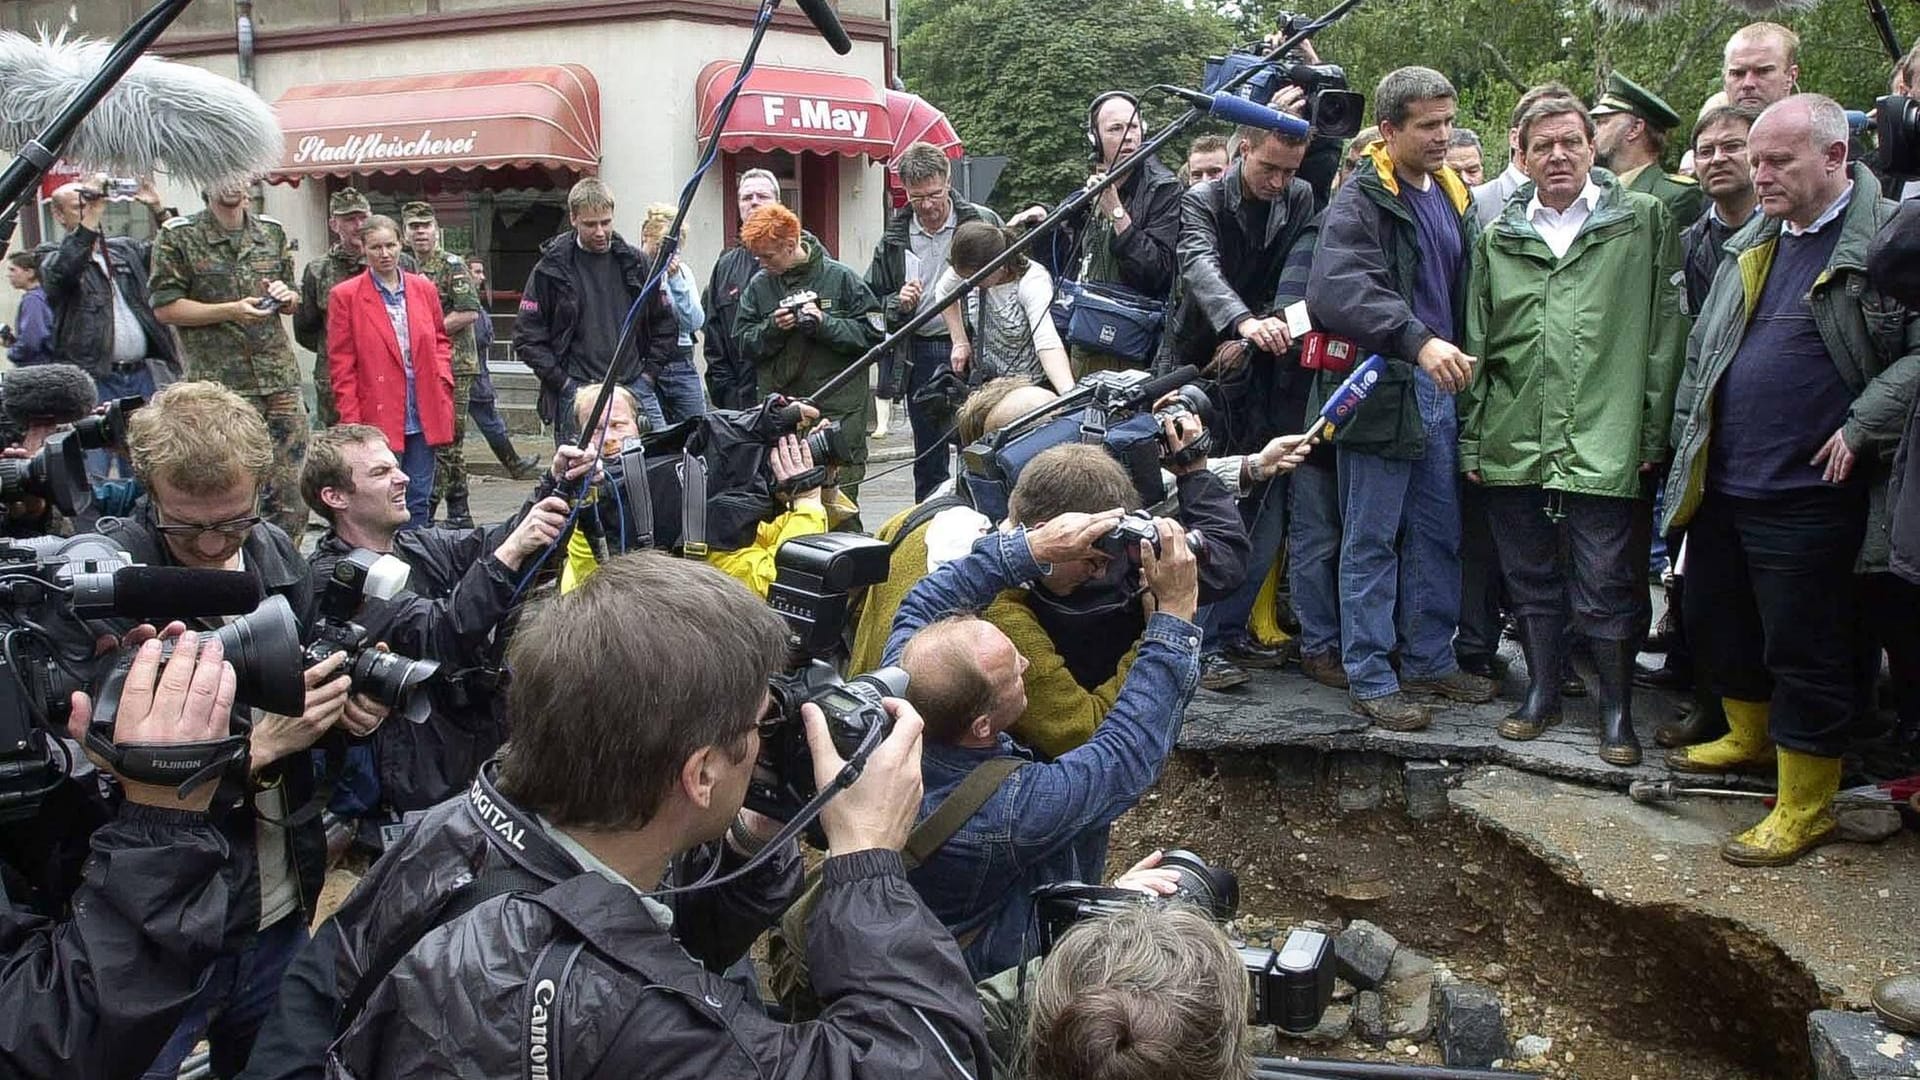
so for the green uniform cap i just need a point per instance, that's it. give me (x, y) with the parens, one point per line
(348, 201)
(1625, 95)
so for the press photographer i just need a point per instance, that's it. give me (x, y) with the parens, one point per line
(593, 803)
(459, 594)
(203, 455)
(1040, 823)
(48, 426)
(95, 982)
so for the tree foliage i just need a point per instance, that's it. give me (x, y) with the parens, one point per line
(1015, 76)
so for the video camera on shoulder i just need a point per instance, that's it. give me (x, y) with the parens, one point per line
(1113, 409)
(50, 589)
(387, 677)
(1289, 987)
(814, 582)
(1332, 107)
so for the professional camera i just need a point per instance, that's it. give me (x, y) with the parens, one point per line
(1896, 121)
(1123, 543)
(109, 428)
(1332, 108)
(815, 577)
(57, 472)
(1111, 408)
(1191, 401)
(1290, 987)
(793, 302)
(389, 678)
(49, 587)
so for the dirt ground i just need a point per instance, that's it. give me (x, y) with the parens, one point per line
(1630, 995)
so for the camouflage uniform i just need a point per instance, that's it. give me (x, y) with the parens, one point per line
(450, 275)
(195, 259)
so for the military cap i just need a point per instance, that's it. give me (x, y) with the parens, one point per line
(348, 201)
(415, 211)
(1625, 95)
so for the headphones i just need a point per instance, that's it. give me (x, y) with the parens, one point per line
(1093, 115)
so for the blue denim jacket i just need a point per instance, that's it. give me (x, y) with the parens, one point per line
(1048, 822)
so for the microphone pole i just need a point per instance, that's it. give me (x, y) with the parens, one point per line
(929, 310)
(33, 159)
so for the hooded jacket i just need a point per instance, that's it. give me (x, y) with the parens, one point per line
(642, 986)
(1365, 270)
(549, 315)
(798, 361)
(1578, 354)
(1874, 343)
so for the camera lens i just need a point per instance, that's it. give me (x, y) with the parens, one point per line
(1212, 888)
(264, 649)
(393, 680)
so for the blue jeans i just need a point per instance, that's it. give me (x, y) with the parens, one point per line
(1265, 512)
(678, 388)
(482, 407)
(1313, 563)
(930, 469)
(239, 993)
(416, 460)
(1403, 594)
(117, 385)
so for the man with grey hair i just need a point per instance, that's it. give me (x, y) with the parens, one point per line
(911, 253)
(731, 382)
(1490, 198)
(1800, 374)
(1574, 309)
(1464, 156)
(1390, 274)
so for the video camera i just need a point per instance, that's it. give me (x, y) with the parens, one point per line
(389, 678)
(107, 429)
(1896, 123)
(815, 577)
(49, 587)
(1109, 408)
(57, 472)
(1289, 987)
(1332, 107)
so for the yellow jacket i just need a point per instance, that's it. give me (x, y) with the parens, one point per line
(753, 564)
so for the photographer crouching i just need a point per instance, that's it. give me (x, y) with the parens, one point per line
(94, 983)
(203, 456)
(460, 590)
(593, 804)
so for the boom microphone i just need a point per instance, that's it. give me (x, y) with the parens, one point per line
(1235, 109)
(164, 592)
(828, 23)
(190, 124)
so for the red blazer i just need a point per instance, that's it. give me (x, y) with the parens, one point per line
(369, 383)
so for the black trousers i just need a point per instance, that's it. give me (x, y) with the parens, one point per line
(1480, 595)
(1772, 601)
(1890, 612)
(1559, 550)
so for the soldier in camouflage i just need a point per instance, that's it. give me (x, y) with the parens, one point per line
(220, 279)
(347, 211)
(460, 299)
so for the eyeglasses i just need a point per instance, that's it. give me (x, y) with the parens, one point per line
(1732, 148)
(929, 197)
(231, 530)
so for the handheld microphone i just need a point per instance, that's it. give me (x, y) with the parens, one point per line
(1346, 398)
(164, 592)
(828, 23)
(191, 124)
(1238, 110)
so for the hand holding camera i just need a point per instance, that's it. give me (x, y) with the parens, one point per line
(879, 809)
(276, 736)
(799, 311)
(1183, 430)
(791, 460)
(1070, 536)
(1171, 570)
(187, 701)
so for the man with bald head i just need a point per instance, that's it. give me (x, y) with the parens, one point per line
(1800, 374)
(1043, 822)
(1761, 65)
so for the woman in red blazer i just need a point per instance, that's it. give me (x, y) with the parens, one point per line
(391, 360)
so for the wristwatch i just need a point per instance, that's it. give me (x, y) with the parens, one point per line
(1119, 212)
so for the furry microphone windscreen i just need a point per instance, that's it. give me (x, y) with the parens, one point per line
(1654, 9)
(192, 125)
(58, 393)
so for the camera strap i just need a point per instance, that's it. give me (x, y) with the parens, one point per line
(183, 766)
(693, 506)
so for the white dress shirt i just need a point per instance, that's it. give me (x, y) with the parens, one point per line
(1559, 227)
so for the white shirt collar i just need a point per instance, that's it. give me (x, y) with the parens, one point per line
(1832, 214)
(1512, 175)
(952, 214)
(1584, 202)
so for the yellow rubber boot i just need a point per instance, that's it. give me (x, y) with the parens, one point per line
(1744, 748)
(1802, 817)
(1264, 623)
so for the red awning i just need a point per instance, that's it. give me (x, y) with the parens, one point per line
(459, 120)
(914, 120)
(796, 109)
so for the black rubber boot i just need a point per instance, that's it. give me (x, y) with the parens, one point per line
(1543, 641)
(458, 515)
(1703, 721)
(520, 468)
(1613, 663)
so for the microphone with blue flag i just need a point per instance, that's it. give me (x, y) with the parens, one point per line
(1346, 399)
